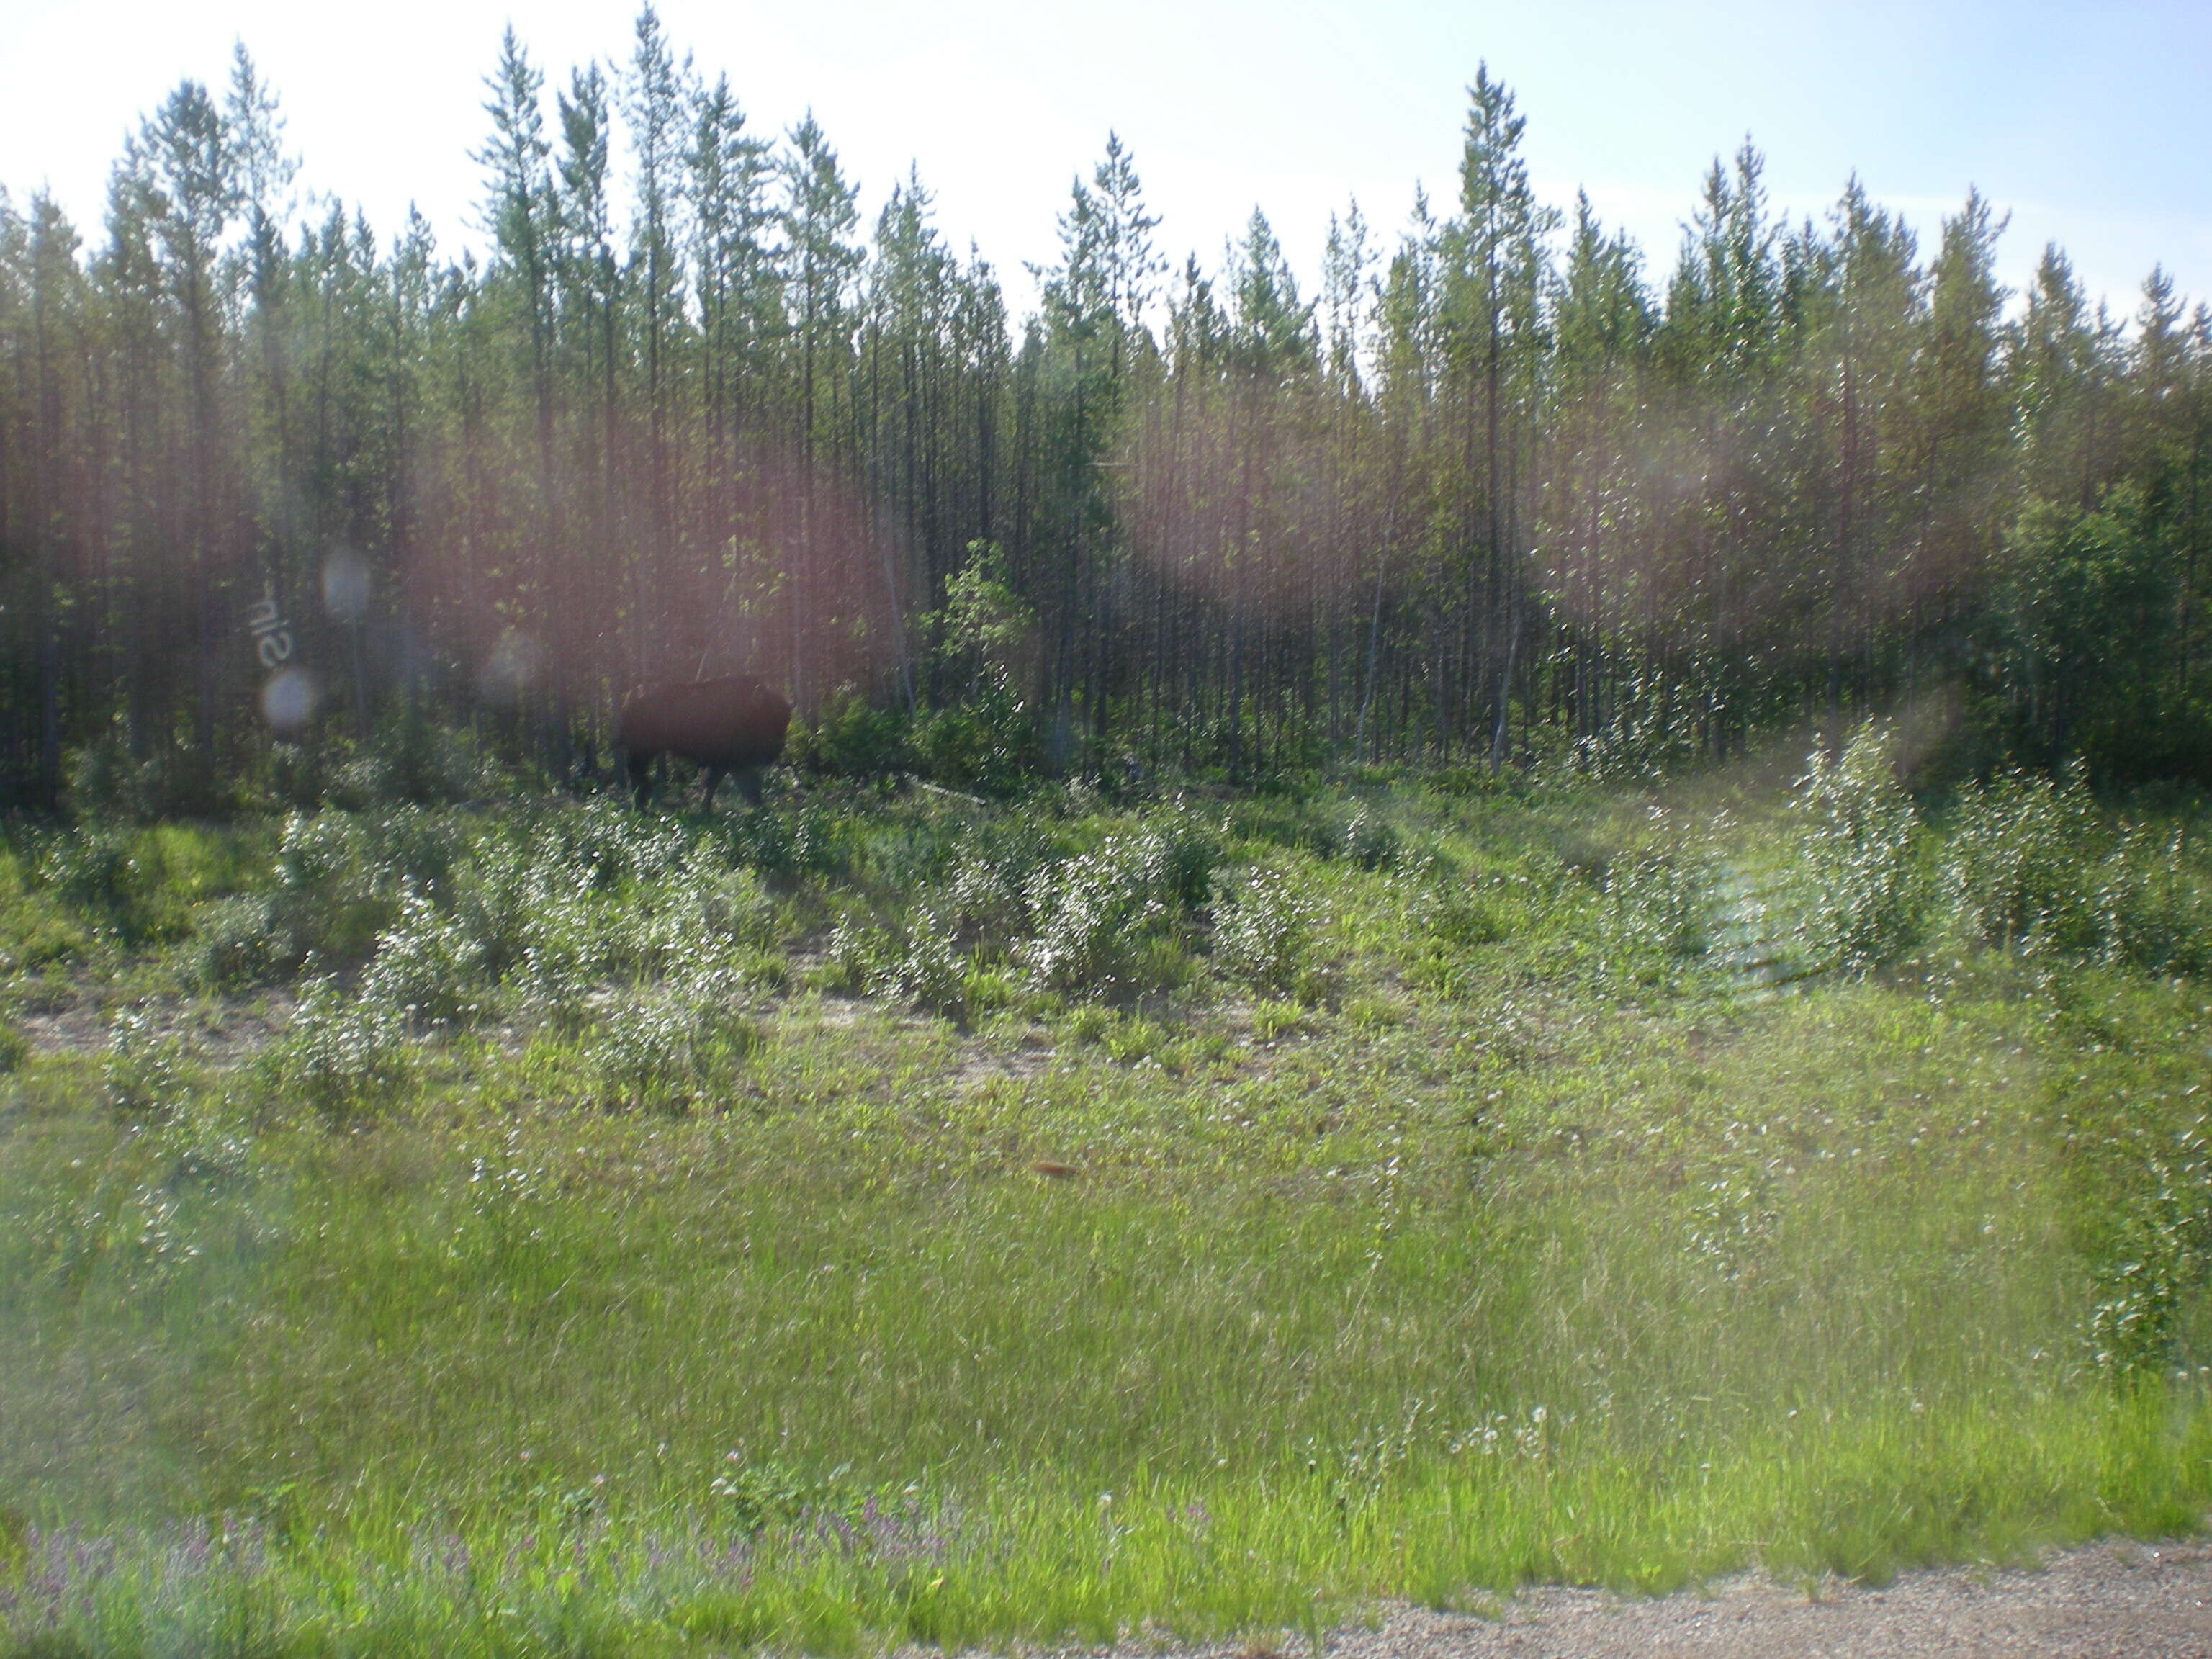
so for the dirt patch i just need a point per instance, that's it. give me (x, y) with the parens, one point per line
(2108, 1601)
(221, 1031)
(981, 1065)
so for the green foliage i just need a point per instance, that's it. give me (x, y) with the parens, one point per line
(986, 741)
(2017, 863)
(331, 894)
(37, 930)
(2154, 903)
(667, 1050)
(807, 841)
(750, 1498)
(413, 759)
(237, 942)
(852, 738)
(2032, 865)
(106, 782)
(428, 965)
(982, 734)
(15, 1048)
(1861, 864)
(1369, 841)
(343, 1056)
(2091, 598)
(915, 960)
(142, 1071)
(1095, 913)
(1264, 921)
(135, 885)
(1659, 910)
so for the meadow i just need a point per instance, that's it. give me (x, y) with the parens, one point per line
(887, 1216)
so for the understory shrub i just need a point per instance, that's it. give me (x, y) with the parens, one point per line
(665, 1049)
(1094, 913)
(118, 878)
(987, 741)
(2154, 908)
(1369, 841)
(852, 738)
(1263, 927)
(143, 1069)
(238, 943)
(1858, 836)
(413, 759)
(427, 968)
(2033, 866)
(787, 847)
(342, 1055)
(1657, 910)
(173, 781)
(330, 893)
(915, 959)
(929, 969)
(2016, 867)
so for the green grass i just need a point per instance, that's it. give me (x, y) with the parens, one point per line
(1466, 1228)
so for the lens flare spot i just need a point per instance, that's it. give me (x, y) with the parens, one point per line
(345, 585)
(289, 700)
(513, 667)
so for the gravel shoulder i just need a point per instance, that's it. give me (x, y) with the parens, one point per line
(2113, 1601)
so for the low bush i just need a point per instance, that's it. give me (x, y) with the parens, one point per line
(172, 780)
(2154, 908)
(915, 959)
(115, 878)
(986, 741)
(2017, 861)
(238, 943)
(343, 1056)
(1093, 914)
(413, 759)
(788, 846)
(142, 1069)
(667, 1049)
(853, 738)
(1369, 841)
(1859, 841)
(331, 894)
(1264, 921)
(428, 967)
(1657, 913)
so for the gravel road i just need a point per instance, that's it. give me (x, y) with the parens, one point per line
(2108, 1601)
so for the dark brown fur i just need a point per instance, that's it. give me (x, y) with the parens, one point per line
(734, 724)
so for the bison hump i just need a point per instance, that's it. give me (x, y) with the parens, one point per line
(734, 722)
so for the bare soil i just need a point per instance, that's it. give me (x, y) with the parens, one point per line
(2113, 1601)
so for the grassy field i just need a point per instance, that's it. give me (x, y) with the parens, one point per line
(885, 1216)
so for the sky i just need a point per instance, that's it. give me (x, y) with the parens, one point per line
(2090, 125)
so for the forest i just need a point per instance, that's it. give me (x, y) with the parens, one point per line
(1506, 489)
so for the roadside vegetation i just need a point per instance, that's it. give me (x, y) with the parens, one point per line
(884, 1216)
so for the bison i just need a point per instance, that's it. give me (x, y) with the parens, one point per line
(734, 724)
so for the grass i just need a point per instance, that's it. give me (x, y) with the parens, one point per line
(1410, 1206)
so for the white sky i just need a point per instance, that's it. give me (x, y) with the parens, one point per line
(2092, 124)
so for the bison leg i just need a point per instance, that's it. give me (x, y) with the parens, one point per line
(641, 776)
(714, 782)
(749, 784)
